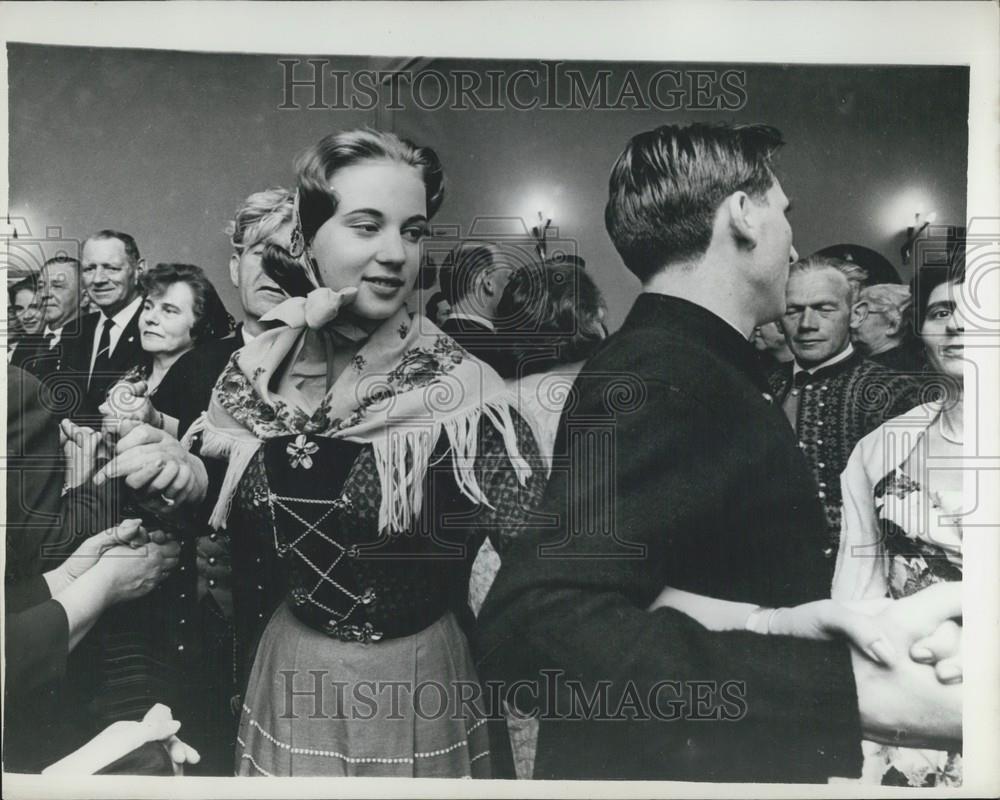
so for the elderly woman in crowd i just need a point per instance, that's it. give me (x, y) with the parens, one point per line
(884, 332)
(181, 310)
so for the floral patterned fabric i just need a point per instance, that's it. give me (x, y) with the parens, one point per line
(898, 537)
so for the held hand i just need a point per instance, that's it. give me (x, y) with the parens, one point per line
(164, 475)
(158, 725)
(942, 649)
(130, 532)
(80, 446)
(128, 401)
(828, 619)
(129, 574)
(907, 704)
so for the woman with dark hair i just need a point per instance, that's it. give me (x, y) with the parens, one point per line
(368, 454)
(181, 310)
(902, 523)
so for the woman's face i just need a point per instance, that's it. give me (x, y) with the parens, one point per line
(943, 331)
(166, 320)
(373, 240)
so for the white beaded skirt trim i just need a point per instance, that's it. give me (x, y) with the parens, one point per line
(406, 707)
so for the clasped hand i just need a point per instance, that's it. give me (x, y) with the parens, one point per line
(157, 467)
(127, 400)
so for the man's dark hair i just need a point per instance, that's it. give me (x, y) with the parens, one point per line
(461, 266)
(668, 183)
(131, 248)
(561, 303)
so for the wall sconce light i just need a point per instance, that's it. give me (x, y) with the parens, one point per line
(913, 233)
(540, 231)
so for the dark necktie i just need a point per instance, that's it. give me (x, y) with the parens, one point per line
(791, 404)
(102, 364)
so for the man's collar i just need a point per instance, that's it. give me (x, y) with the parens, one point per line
(247, 336)
(699, 325)
(123, 317)
(486, 323)
(843, 355)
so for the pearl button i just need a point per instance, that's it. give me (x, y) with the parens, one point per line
(211, 560)
(828, 552)
(821, 465)
(183, 621)
(819, 441)
(822, 485)
(819, 422)
(211, 583)
(795, 392)
(180, 648)
(822, 495)
(213, 536)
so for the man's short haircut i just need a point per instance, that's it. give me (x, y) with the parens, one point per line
(131, 248)
(259, 216)
(893, 300)
(62, 259)
(461, 267)
(856, 276)
(668, 184)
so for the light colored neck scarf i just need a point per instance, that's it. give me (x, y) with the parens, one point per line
(408, 384)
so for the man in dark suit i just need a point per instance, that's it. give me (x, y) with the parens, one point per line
(830, 393)
(662, 483)
(109, 344)
(472, 280)
(48, 354)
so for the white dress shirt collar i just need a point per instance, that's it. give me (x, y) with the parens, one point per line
(843, 355)
(473, 318)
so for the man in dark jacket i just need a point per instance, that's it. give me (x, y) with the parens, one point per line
(472, 281)
(659, 481)
(830, 393)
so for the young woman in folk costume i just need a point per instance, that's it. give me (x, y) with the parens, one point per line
(368, 456)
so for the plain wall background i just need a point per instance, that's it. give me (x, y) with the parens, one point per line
(165, 144)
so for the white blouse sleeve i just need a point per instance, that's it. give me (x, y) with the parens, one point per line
(862, 570)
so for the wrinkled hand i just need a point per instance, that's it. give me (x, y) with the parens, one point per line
(129, 532)
(934, 623)
(81, 446)
(131, 573)
(163, 474)
(942, 649)
(907, 704)
(127, 401)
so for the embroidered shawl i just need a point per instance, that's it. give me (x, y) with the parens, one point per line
(408, 384)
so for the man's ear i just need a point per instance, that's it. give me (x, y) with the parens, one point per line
(140, 267)
(742, 218)
(234, 269)
(859, 313)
